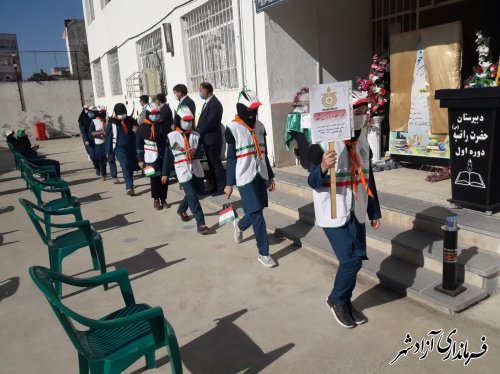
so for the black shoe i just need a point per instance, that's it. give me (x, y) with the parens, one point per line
(341, 314)
(356, 315)
(203, 230)
(97, 172)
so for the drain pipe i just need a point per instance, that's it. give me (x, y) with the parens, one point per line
(242, 46)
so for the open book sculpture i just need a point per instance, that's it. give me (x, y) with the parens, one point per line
(470, 178)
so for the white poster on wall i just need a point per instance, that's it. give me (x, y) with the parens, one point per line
(331, 112)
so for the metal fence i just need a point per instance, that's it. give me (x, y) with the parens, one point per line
(211, 45)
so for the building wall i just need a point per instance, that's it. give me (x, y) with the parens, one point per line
(57, 103)
(76, 40)
(277, 51)
(8, 45)
(311, 42)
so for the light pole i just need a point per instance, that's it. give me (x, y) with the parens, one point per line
(19, 85)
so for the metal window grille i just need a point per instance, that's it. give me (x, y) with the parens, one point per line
(114, 73)
(98, 81)
(150, 51)
(211, 45)
(397, 16)
(90, 9)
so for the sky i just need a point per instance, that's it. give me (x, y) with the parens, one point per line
(39, 25)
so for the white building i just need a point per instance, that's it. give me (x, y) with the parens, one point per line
(293, 44)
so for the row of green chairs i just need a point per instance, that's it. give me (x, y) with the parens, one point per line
(114, 342)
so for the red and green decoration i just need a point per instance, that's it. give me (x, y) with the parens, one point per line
(485, 73)
(376, 86)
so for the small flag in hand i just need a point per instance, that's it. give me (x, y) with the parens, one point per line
(149, 171)
(226, 215)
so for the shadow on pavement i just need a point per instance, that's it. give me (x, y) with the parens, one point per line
(7, 209)
(117, 222)
(92, 198)
(2, 238)
(8, 287)
(12, 191)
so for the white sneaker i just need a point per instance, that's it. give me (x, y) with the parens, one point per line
(238, 234)
(267, 261)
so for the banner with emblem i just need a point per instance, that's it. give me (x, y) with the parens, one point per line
(331, 112)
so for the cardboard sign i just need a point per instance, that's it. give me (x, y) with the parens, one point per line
(331, 112)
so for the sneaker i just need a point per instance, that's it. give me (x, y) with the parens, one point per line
(184, 216)
(356, 315)
(203, 229)
(341, 314)
(131, 192)
(267, 261)
(116, 181)
(157, 205)
(238, 234)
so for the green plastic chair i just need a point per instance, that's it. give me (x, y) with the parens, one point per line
(40, 187)
(65, 244)
(45, 172)
(114, 342)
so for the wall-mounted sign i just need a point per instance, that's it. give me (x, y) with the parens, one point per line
(261, 5)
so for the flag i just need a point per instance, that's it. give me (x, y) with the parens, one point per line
(150, 172)
(226, 215)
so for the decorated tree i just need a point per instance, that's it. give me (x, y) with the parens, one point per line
(485, 73)
(376, 86)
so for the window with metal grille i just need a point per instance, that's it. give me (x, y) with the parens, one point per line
(104, 3)
(211, 45)
(150, 51)
(98, 81)
(114, 73)
(90, 10)
(396, 16)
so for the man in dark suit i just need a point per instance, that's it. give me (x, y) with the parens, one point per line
(210, 129)
(165, 112)
(181, 93)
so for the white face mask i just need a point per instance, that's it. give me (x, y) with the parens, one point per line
(359, 122)
(154, 117)
(121, 116)
(185, 125)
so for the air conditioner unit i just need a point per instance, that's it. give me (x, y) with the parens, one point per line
(151, 82)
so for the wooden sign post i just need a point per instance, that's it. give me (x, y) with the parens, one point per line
(333, 184)
(331, 121)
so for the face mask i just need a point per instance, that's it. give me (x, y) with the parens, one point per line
(154, 117)
(185, 125)
(359, 122)
(203, 97)
(91, 115)
(121, 116)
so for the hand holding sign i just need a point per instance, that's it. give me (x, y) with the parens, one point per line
(332, 120)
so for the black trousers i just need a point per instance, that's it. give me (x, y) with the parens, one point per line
(212, 152)
(158, 190)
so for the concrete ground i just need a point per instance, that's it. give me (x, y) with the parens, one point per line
(231, 314)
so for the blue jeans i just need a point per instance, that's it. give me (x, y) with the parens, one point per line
(256, 219)
(349, 244)
(100, 154)
(127, 164)
(112, 166)
(191, 200)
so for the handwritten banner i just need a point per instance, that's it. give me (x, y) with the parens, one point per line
(331, 112)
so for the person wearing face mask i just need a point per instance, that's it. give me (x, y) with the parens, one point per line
(181, 94)
(248, 168)
(151, 141)
(84, 120)
(356, 195)
(97, 133)
(120, 143)
(183, 155)
(210, 129)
